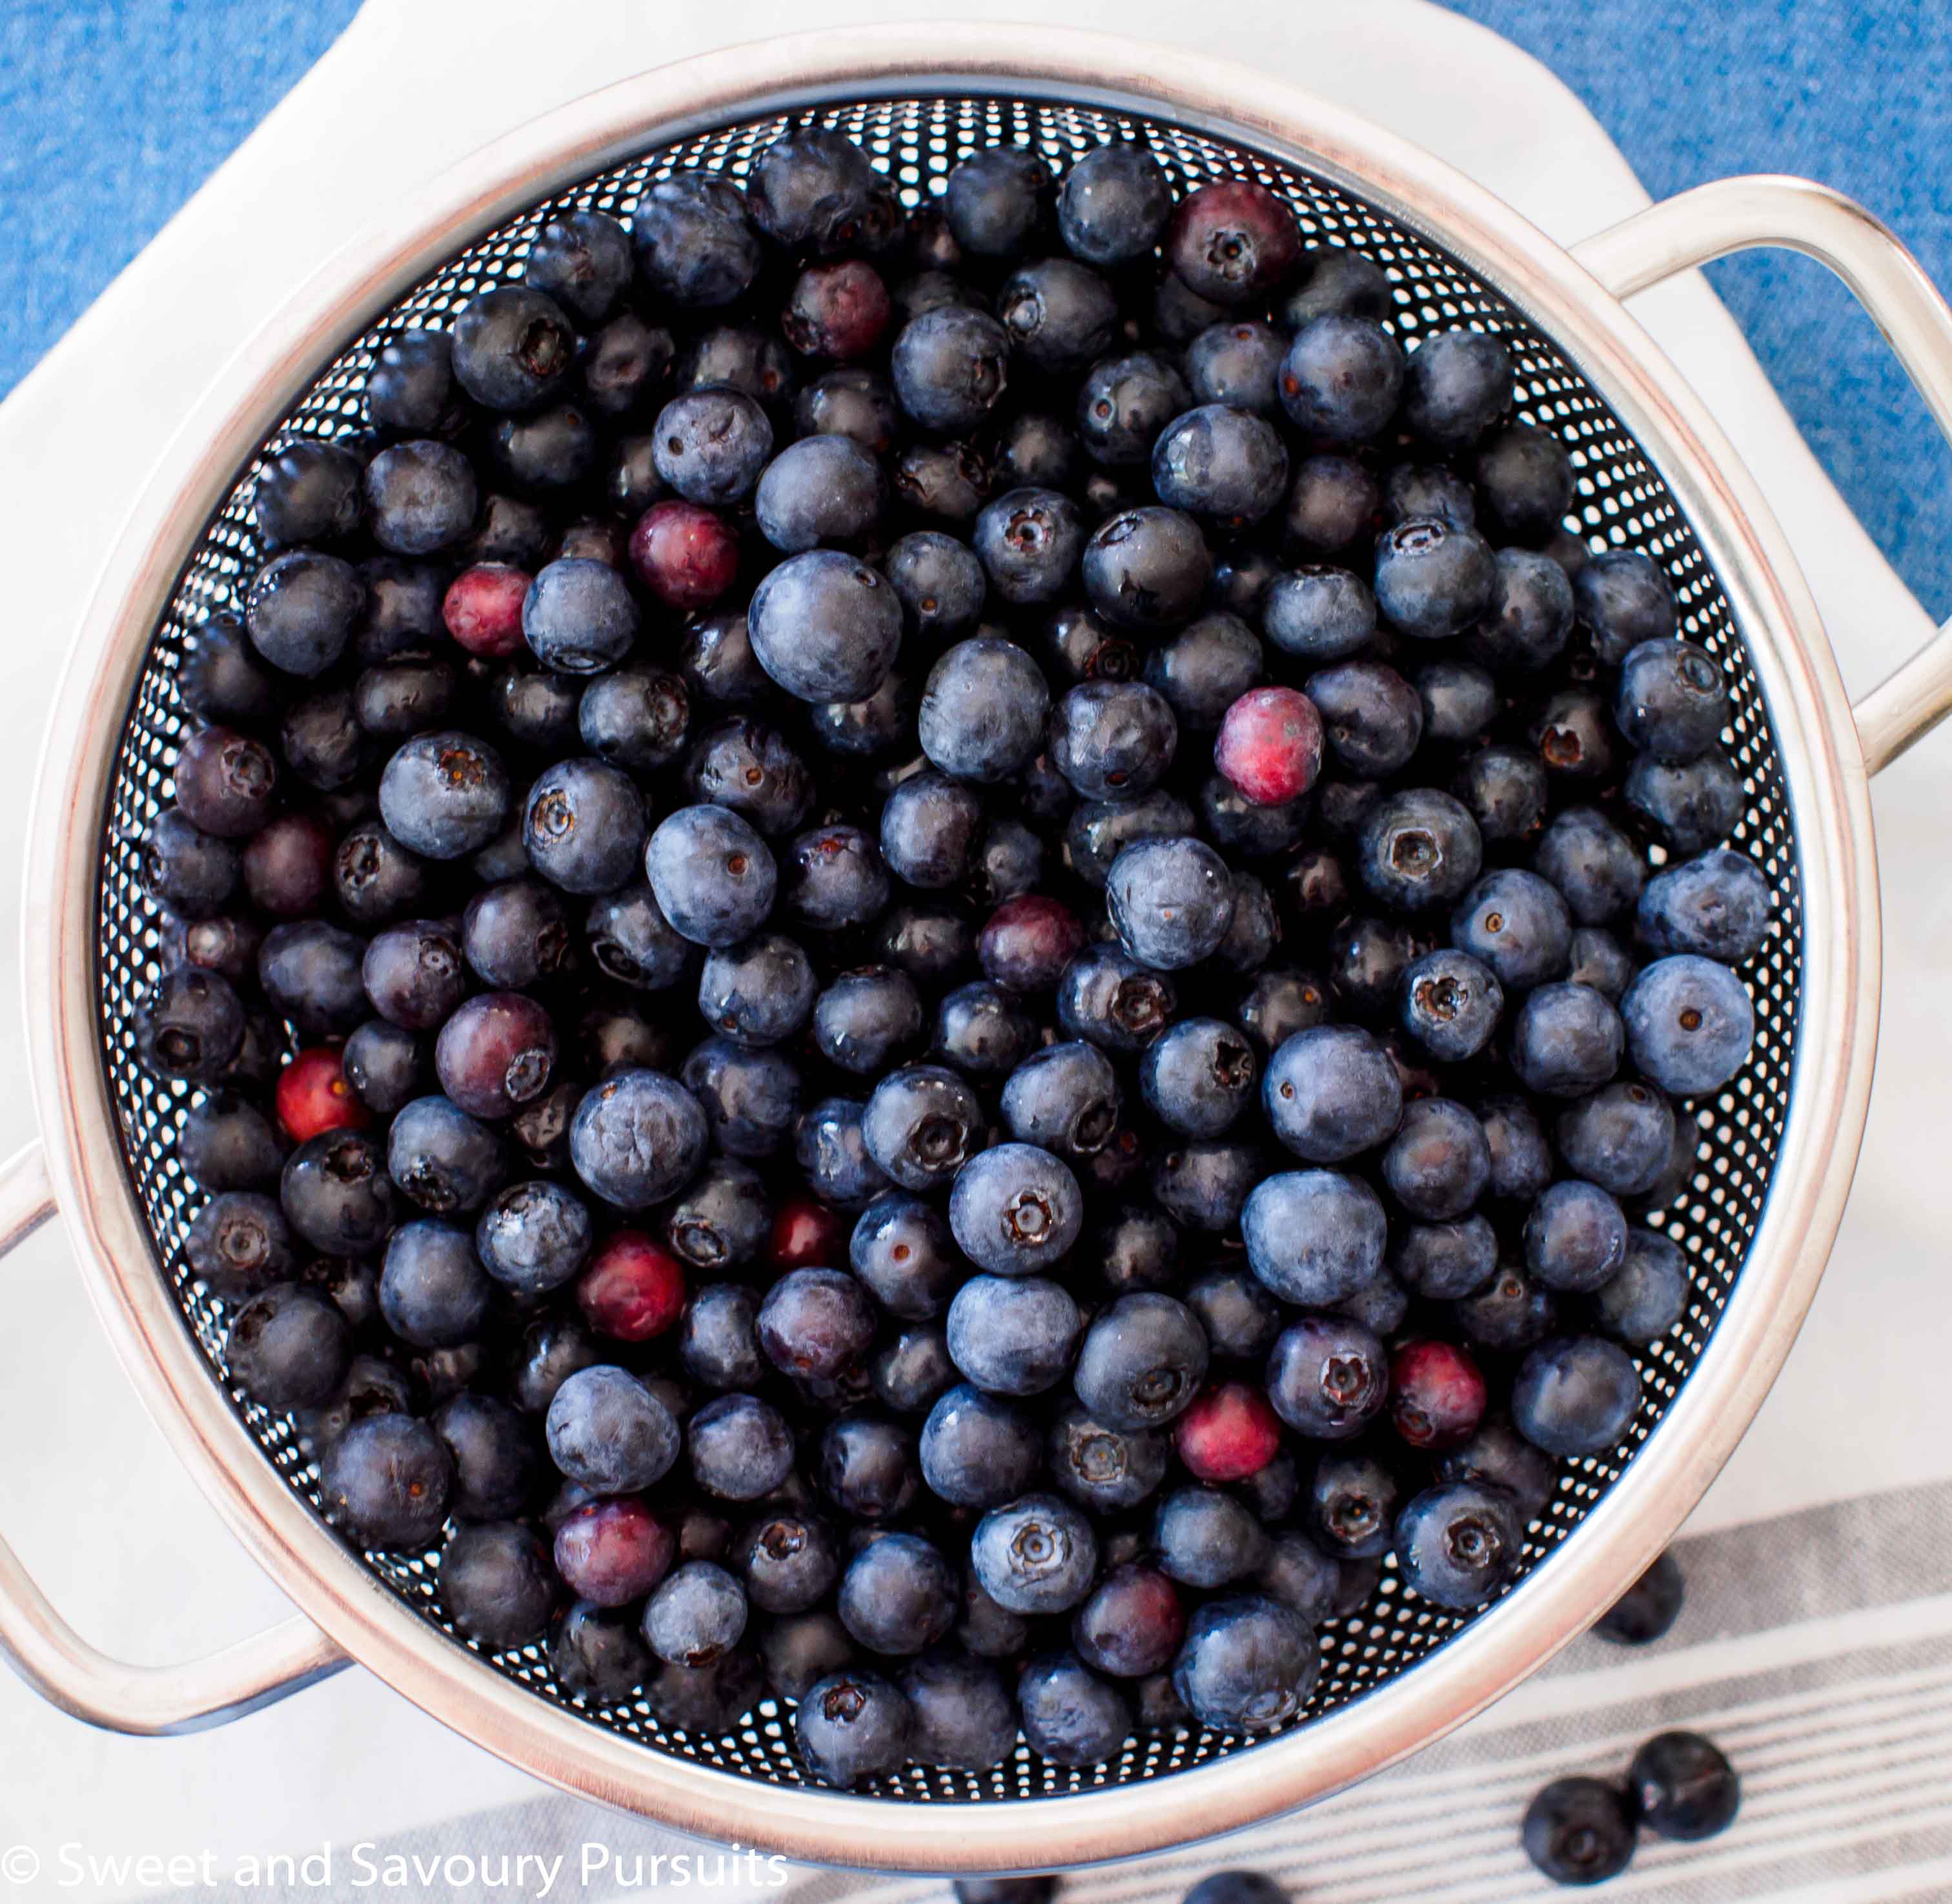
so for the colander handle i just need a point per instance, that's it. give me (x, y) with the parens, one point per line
(65, 1669)
(1797, 215)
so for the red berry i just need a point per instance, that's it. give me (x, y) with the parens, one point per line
(1233, 241)
(686, 556)
(1028, 942)
(632, 1289)
(1229, 1432)
(1270, 745)
(482, 608)
(614, 1552)
(837, 311)
(807, 1235)
(313, 1095)
(1437, 1395)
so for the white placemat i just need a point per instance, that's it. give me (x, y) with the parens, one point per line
(1835, 1686)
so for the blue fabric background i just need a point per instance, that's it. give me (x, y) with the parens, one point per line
(114, 111)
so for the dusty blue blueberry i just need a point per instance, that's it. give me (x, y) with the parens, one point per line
(1314, 1236)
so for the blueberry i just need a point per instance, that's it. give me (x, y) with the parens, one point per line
(1147, 569)
(1438, 1163)
(1620, 1138)
(445, 795)
(189, 1025)
(1328, 1377)
(1526, 479)
(433, 1292)
(1451, 1004)
(511, 347)
(758, 991)
(1649, 1294)
(921, 1126)
(940, 582)
(815, 1322)
(963, 1716)
(1114, 205)
(1206, 1539)
(1460, 701)
(1064, 1098)
(740, 1448)
(1241, 1319)
(978, 1450)
(1205, 668)
(950, 368)
(750, 768)
(1503, 789)
(983, 711)
(1445, 1260)
(1330, 1092)
(867, 1468)
(851, 1726)
(1099, 830)
(1013, 1335)
(1334, 279)
(311, 972)
(1648, 1608)
(1575, 1237)
(788, 1560)
(1510, 1313)
(1459, 383)
(1682, 1785)
(632, 942)
(1102, 1468)
(821, 489)
(1349, 1507)
(227, 1144)
(1170, 901)
(1198, 1077)
(1516, 923)
(1579, 1831)
(1576, 1395)
(1014, 1208)
(599, 1652)
(1599, 959)
(221, 677)
(693, 242)
(411, 388)
(696, 1616)
(1341, 378)
(308, 492)
(1429, 492)
(1248, 1665)
(714, 656)
(848, 402)
(825, 626)
(386, 1480)
(1220, 461)
(578, 616)
(1716, 906)
(497, 1584)
(1113, 740)
(1070, 1716)
(1566, 1041)
(1233, 241)
(1593, 864)
(1314, 1236)
(637, 1137)
(301, 609)
(833, 1154)
(712, 876)
(533, 1237)
(930, 825)
(288, 1348)
(1530, 616)
(1626, 599)
(1689, 1024)
(1141, 1362)
(1419, 849)
(1459, 1543)
(225, 783)
(609, 1432)
(1059, 315)
(1036, 1555)
(1333, 506)
(1693, 806)
(420, 497)
(801, 1649)
(1238, 363)
(335, 1193)
(912, 1369)
(868, 1019)
(1371, 718)
(1433, 579)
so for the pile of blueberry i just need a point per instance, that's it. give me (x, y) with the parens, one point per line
(919, 958)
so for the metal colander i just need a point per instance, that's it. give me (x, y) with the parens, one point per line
(917, 121)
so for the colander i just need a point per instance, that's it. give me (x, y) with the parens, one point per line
(1653, 473)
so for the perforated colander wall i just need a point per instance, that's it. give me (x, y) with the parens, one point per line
(1620, 502)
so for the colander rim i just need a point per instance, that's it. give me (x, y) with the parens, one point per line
(1821, 762)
